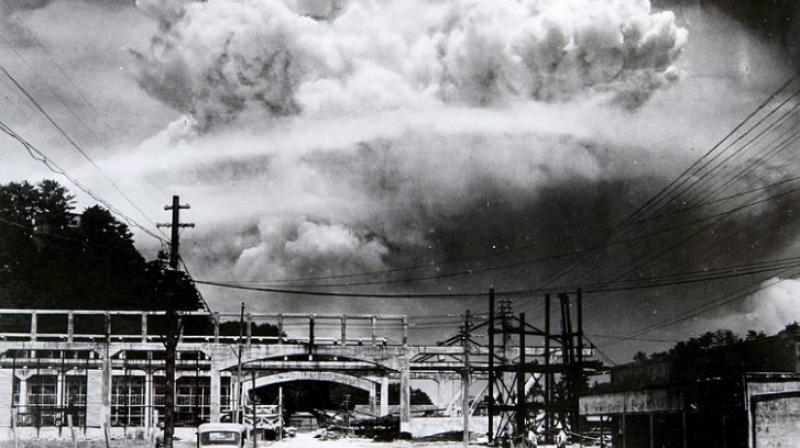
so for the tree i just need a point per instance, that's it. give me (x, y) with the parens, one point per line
(46, 262)
(418, 397)
(52, 257)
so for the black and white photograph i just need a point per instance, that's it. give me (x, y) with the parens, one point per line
(399, 223)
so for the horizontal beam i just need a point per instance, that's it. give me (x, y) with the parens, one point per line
(551, 368)
(65, 312)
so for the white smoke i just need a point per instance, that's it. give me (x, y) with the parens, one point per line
(299, 248)
(219, 59)
(769, 310)
(344, 136)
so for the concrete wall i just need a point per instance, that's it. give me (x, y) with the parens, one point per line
(777, 421)
(632, 402)
(774, 410)
(428, 426)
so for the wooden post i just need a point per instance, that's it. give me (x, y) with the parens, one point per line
(548, 376)
(280, 328)
(683, 430)
(579, 368)
(253, 402)
(652, 428)
(465, 380)
(343, 338)
(310, 337)
(373, 321)
(72, 431)
(180, 330)
(249, 330)
(521, 410)
(490, 426)
(107, 435)
(280, 412)
(405, 331)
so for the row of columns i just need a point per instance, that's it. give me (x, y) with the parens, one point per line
(34, 333)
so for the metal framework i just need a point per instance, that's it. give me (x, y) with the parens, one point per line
(540, 393)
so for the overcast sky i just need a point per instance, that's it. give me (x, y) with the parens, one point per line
(321, 138)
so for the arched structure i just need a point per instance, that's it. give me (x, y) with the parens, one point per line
(310, 375)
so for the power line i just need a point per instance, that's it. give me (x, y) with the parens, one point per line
(74, 144)
(707, 306)
(651, 258)
(523, 263)
(669, 280)
(681, 179)
(59, 68)
(51, 165)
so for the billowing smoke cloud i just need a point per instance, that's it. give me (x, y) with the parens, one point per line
(322, 138)
(218, 59)
(769, 310)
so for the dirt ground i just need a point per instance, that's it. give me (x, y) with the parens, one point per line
(303, 440)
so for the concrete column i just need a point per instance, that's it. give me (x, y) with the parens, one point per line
(216, 328)
(148, 398)
(214, 395)
(144, 328)
(70, 327)
(440, 400)
(372, 393)
(34, 325)
(6, 396)
(61, 378)
(384, 396)
(96, 410)
(405, 394)
(106, 383)
(23, 393)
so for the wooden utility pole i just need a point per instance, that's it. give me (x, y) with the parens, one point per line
(239, 413)
(490, 430)
(465, 380)
(172, 331)
(521, 408)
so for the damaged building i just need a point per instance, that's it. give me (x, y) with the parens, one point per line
(745, 394)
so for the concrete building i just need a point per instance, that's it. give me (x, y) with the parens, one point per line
(745, 394)
(115, 381)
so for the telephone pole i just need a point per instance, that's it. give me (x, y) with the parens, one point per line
(175, 225)
(173, 326)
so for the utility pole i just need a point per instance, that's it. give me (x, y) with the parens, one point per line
(239, 415)
(172, 331)
(465, 380)
(490, 431)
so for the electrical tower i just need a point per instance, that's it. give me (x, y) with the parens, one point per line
(541, 392)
